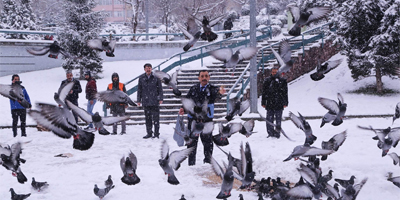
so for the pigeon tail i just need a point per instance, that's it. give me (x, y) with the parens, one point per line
(337, 122)
(104, 131)
(317, 76)
(187, 47)
(130, 180)
(177, 92)
(223, 195)
(21, 177)
(209, 36)
(173, 180)
(83, 141)
(295, 31)
(324, 157)
(130, 102)
(229, 117)
(322, 124)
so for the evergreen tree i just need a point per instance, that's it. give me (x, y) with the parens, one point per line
(17, 17)
(28, 17)
(81, 24)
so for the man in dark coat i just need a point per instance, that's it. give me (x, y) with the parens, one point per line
(199, 93)
(150, 95)
(228, 26)
(117, 109)
(17, 110)
(274, 100)
(74, 93)
(91, 90)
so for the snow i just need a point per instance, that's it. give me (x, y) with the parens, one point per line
(74, 178)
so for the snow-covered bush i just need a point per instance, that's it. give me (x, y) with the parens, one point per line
(282, 18)
(277, 22)
(233, 15)
(245, 10)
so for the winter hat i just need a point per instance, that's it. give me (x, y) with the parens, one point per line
(87, 73)
(13, 76)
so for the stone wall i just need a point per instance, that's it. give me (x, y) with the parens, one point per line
(303, 64)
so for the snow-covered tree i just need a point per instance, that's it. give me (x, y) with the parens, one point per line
(137, 7)
(81, 24)
(17, 16)
(28, 17)
(166, 7)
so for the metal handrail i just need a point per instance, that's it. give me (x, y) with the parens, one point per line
(272, 56)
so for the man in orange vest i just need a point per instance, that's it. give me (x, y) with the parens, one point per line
(117, 109)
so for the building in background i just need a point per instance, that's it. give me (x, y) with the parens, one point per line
(115, 10)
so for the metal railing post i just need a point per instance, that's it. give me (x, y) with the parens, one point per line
(201, 52)
(180, 60)
(302, 42)
(262, 60)
(323, 34)
(227, 103)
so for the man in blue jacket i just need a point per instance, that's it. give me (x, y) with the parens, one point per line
(17, 110)
(150, 95)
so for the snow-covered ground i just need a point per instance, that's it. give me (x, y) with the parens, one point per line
(74, 178)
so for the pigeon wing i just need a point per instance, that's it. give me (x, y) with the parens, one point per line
(235, 127)
(296, 121)
(164, 149)
(340, 98)
(333, 64)
(192, 26)
(109, 96)
(295, 11)
(243, 159)
(83, 114)
(133, 159)
(244, 105)
(284, 51)
(247, 53)
(161, 75)
(249, 158)
(317, 13)
(217, 168)
(38, 52)
(188, 105)
(329, 104)
(64, 90)
(16, 149)
(313, 151)
(112, 120)
(278, 57)
(249, 125)
(308, 174)
(185, 32)
(177, 157)
(41, 120)
(5, 90)
(174, 78)
(395, 137)
(208, 128)
(122, 164)
(222, 54)
(300, 192)
(95, 44)
(112, 45)
(216, 20)
(358, 187)
(339, 139)
(395, 157)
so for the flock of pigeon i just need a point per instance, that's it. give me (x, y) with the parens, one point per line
(312, 184)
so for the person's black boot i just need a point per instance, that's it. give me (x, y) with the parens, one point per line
(156, 135)
(147, 136)
(23, 134)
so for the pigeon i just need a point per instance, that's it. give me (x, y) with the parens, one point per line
(38, 185)
(15, 92)
(182, 197)
(327, 177)
(62, 123)
(334, 143)
(96, 119)
(307, 150)
(237, 107)
(103, 45)
(191, 33)
(128, 167)
(351, 191)
(207, 24)
(10, 159)
(394, 180)
(338, 109)
(248, 173)
(170, 162)
(395, 158)
(345, 183)
(281, 130)
(108, 182)
(201, 128)
(236, 162)
(221, 139)
(305, 17)
(396, 112)
(168, 80)
(231, 59)
(15, 196)
(324, 68)
(241, 197)
(54, 50)
(302, 124)
(114, 96)
(284, 57)
(226, 176)
(386, 137)
(247, 128)
(197, 111)
(301, 192)
(101, 193)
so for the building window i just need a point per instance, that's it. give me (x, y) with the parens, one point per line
(117, 2)
(107, 13)
(118, 14)
(105, 2)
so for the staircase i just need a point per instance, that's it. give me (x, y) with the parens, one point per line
(188, 77)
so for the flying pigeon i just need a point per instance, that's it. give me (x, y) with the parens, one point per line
(334, 108)
(128, 167)
(248, 173)
(114, 96)
(103, 45)
(231, 59)
(96, 119)
(15, 196)
(101, 193)
(168, 80)
(54, 50)
(170, 162)
(226, 176)
(237, 107)
(395, 158)
(305, 17)
(306, 150)
(38, 185)
(324, 68)
(15, 92)
(387, 138)
(191, 33)
(351, 191)
(284, 57)
(197, 111)
(302, 124)
(247, 128)
(396, 112)
(394, 180)
(334, 143)
(108, 182)
(62, 93)
(10, 159)
(221, 139)
(207, 24)
(62, 123)
(281, 130)
(236, 162)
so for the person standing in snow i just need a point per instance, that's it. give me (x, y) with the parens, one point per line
(17, 110)
(74, 93)
(199, 93)
(228, 26)
(91, 90)
(150, 95)
(117, 109)
(274, 100)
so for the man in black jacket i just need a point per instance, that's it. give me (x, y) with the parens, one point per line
(199, 93)
(228, 26)
(274, 100)
(74, 93)
(150, 95)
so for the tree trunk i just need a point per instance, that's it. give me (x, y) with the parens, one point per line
(379, 84)
(166, 28)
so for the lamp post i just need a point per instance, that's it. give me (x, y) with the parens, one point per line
(253, 61)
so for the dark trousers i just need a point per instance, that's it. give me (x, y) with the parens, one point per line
(271, 115)
(21, 113)
(152, 115)
(206, 139)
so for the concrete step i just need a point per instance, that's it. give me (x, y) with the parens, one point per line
(168, 111)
